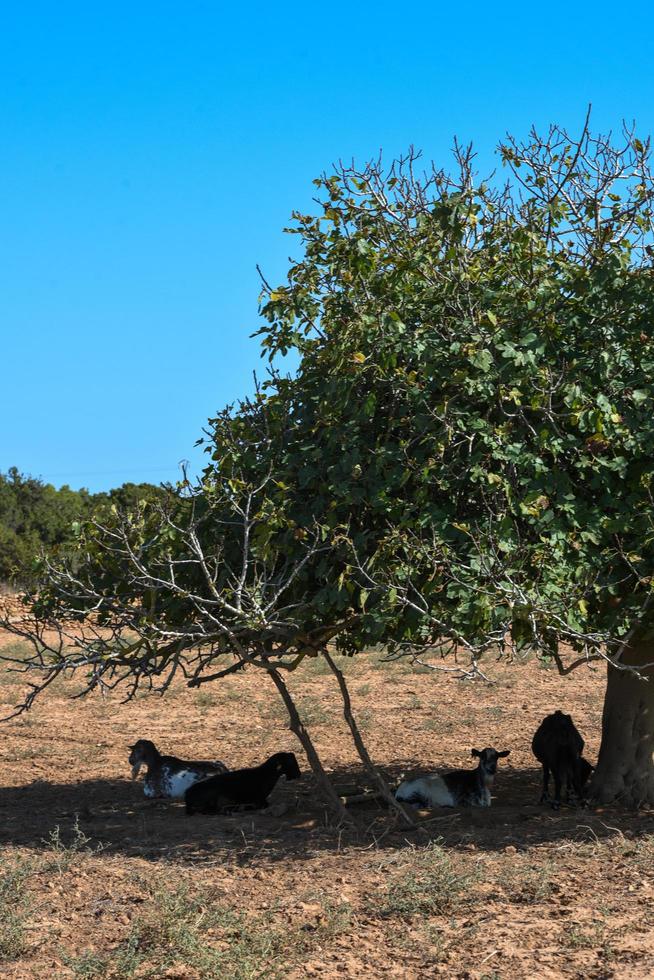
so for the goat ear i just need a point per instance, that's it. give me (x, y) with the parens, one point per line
(503, 755)
(476, 753)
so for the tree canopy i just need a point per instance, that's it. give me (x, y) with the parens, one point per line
(37, 517)
(472, 420)
(463, 457)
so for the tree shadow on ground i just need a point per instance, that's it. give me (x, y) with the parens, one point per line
(297, 826)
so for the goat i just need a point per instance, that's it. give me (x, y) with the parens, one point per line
(168, 777)
(461, 787)
(242, 787)
(558, 746)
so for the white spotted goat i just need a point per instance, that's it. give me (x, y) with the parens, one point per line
(168, 777)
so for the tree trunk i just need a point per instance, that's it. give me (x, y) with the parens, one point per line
(298, 729)
(625, 768)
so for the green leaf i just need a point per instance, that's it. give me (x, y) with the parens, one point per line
(482, 359)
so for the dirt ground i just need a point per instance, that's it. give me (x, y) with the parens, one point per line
(95, 881)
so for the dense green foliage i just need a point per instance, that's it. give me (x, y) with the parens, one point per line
(35, 517)
(480, 419)
(466, 450)
(472, 422)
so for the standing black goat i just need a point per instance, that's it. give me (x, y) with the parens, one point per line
(242, 787)
(558, 746)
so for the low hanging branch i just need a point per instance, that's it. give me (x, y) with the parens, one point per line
(298, 729)
(196, 611)
(368, 764)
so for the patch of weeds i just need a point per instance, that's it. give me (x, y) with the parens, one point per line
(640, 850)
(432, 937)
(432, 942)
(333, 919)
(495, 711)
(337, 917)
(275, 711)
(363, 691)
(643, 850)
(192, 928)
(230, 693)
(318, 666)
(20, 755)
(312, 711)
(396, 676)
(584, 937)
(62, 854)
(432, 724)
(205, 699)
(88, 966)
(127, 958)
(14, 903)
(365, 718)
(17, 650)
(12, 676)
(429, 882)
(527, 882)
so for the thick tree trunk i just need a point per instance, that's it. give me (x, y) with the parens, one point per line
(625, 769)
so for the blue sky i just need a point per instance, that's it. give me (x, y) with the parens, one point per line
(152, 153)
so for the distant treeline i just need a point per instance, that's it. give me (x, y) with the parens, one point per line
(37, 517)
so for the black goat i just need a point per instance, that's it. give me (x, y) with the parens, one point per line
(461, 787)
(242, 787)
(558, 746)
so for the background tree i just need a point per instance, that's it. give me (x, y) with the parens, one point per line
(462, 462)
(37, 517)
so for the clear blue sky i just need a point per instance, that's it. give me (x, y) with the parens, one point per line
(152, 153)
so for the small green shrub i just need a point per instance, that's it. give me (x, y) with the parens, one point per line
(62, 854)
(429, 882)
(14, 903)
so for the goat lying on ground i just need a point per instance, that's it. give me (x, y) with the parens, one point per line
(558, 746)
(250, 787)
(167, 776)
(461, 787)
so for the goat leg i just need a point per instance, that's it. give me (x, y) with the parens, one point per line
(545, 795)
(557, 790)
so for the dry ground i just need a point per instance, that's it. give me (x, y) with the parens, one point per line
(97, 882)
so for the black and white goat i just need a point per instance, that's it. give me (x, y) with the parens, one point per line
(242, 787)
(558, 746)
(461, 787)
(168, 777)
